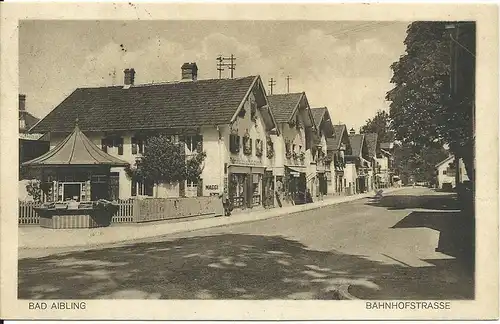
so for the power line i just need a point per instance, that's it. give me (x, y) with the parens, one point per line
(362, 27)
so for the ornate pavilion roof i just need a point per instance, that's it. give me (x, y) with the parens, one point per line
(77, 150)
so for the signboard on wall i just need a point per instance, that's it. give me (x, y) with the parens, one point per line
(212, 187)
(247, 162)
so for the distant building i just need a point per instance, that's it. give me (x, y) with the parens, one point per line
(358, 163)
(338, 146)
(446, 173)
(30, 145)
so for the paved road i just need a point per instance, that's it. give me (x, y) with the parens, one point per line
(364, 249)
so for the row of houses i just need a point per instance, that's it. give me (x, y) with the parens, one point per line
(265, 150)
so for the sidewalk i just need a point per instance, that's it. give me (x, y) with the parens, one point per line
(35, 237)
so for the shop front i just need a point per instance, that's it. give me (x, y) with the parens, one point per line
(295, 185)
(245, 186)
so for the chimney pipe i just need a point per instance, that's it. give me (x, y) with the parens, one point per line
(22, 102)
(189, 71)
(129, 76)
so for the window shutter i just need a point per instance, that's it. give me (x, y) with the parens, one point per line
(120, 146)
(134, 145)
(199, 140)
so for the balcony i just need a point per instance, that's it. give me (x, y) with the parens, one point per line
(294, 161)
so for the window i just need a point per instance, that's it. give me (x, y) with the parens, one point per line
(194, 143)
(234, 143)
(109, 142)
(142, 188)
(191, 183)
(137, 145)
(444, 172)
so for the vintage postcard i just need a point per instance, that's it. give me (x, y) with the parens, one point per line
(217, 161)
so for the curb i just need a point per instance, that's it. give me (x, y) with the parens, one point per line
(273, 213)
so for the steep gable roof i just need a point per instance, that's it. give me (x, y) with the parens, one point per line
(151, 106)
(448, 159)
(334, 142)
(371, 143)
(284, 105)
(318, 114)
(357, 141)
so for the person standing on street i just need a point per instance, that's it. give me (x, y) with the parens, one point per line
(226, 203)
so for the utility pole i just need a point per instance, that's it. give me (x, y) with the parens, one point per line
(222, 63)
(288, 78)
(220, 66)
(232, 65)
(272, 83)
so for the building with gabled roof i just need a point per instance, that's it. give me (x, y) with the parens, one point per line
(338, 146)
(446, 173)
(229, 119)
(358, 162)
(296, 150)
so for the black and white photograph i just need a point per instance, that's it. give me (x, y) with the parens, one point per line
(250, 160)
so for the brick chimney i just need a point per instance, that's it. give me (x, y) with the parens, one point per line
(22, 102)
(352, 131)
(189, 71)
(129, 76)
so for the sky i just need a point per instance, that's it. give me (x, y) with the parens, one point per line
(344, 66)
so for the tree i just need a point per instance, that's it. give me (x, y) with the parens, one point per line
(380, 124)
(34, 189)
(425, 113)
(417, 162)
(165, 162)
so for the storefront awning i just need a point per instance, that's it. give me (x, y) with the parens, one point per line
(297, 169)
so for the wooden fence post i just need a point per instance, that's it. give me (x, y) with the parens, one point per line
(136, 211)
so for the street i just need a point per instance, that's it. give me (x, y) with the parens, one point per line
(405, 246)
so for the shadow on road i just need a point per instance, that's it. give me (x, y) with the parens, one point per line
(232, 266)
(441, 201)
(454, 220)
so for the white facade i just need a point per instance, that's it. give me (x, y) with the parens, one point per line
(446, 172)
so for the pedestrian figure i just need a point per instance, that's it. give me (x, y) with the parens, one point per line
(226, 203)
(279, 188)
